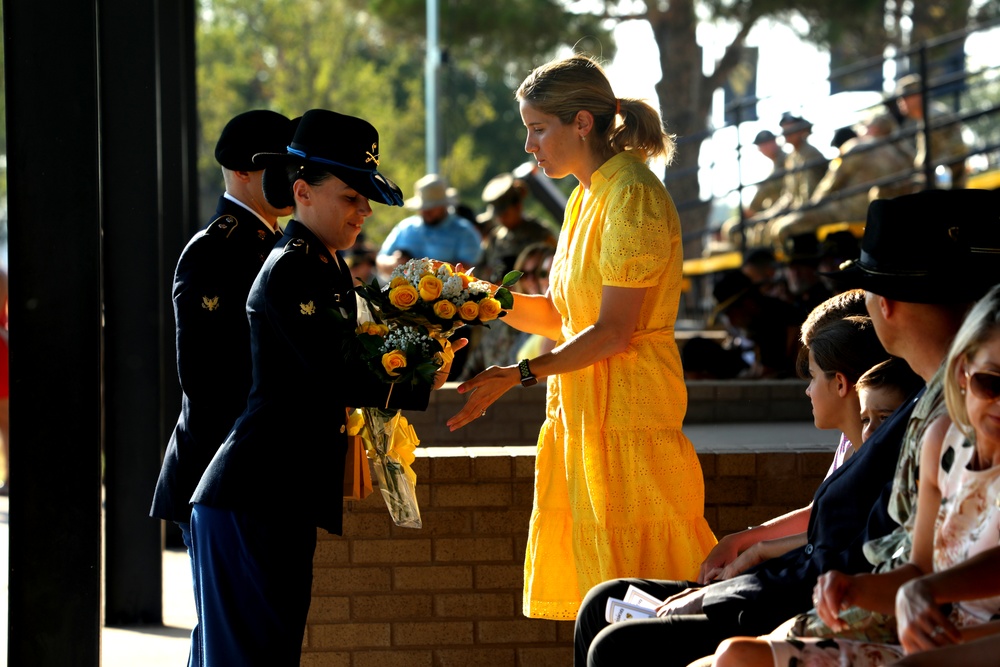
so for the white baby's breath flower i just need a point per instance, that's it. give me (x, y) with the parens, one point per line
(479, 287)
(452, 288)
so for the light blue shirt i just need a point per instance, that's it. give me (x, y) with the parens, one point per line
(452, 240)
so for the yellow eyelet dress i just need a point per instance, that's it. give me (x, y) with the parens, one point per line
(619, 490)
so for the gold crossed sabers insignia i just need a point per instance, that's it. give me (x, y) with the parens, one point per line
(372, 155)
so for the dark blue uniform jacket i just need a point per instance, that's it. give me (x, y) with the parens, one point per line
(211, 284)
(284, 459)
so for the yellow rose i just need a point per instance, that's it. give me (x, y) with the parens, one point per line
(445, 309)
(397, 281)
(466, 279)
(393, 362)
(489, 308)
(468, 311)
(403, 297)
(430, 287)
(372, 329)
(355, 421)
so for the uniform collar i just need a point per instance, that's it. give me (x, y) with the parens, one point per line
(236, 201)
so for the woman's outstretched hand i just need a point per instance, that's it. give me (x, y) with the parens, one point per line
(483, 390)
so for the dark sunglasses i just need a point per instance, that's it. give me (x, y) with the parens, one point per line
(984, 385)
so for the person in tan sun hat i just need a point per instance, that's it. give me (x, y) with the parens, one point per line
(435, 231)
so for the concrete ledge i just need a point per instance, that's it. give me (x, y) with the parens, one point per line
(746, 438)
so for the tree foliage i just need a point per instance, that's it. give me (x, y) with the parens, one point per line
(367, 59)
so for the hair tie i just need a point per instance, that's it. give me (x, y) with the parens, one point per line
(618, 107)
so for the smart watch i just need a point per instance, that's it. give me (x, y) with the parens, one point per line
(527, 379)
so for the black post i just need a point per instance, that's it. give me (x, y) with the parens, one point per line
(179, 185)
(55, 339)
(133, 308)
(925, 126)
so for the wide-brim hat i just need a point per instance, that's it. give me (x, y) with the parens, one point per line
(345, 146)
(908, 85)
(249, 133)
(432, 191)
(937, 246)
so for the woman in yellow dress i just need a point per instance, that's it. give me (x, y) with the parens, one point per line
(618, 487)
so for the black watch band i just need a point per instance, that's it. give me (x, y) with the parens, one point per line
(527, 379)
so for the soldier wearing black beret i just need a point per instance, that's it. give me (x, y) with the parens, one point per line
(211, 283)
(279, 474)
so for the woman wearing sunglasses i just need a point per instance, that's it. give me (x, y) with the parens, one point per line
(949, 592)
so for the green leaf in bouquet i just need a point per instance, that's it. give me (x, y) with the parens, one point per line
(511, 278)
(424, 373)
(504, 296)
(372, 344)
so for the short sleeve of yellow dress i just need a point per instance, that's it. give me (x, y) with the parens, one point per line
(619, 491)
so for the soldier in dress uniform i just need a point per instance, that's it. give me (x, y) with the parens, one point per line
(211, 283)
(279, 475)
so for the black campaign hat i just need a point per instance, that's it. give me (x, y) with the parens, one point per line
(345, 146)
(937, 246)
(249, 133)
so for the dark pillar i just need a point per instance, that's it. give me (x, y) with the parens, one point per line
(55, 338)
(135, 317)
(179, 182)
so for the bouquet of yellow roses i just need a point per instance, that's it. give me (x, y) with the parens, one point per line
(402, 333)
(433, 295)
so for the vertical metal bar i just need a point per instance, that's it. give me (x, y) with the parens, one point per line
(925, 105)
(431, 65)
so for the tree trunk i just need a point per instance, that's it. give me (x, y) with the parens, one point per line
(685, 107)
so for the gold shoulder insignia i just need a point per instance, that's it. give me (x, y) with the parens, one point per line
(307, 308)
(210, 304)
(297, 244)
(225, 224)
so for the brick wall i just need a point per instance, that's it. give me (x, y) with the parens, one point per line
(450, 593)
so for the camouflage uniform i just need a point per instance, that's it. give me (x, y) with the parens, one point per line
(768, 192)
(947, 145)
(863, 161)
(804, 168)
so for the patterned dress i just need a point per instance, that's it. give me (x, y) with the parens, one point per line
(619, 490)
(968, 523)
